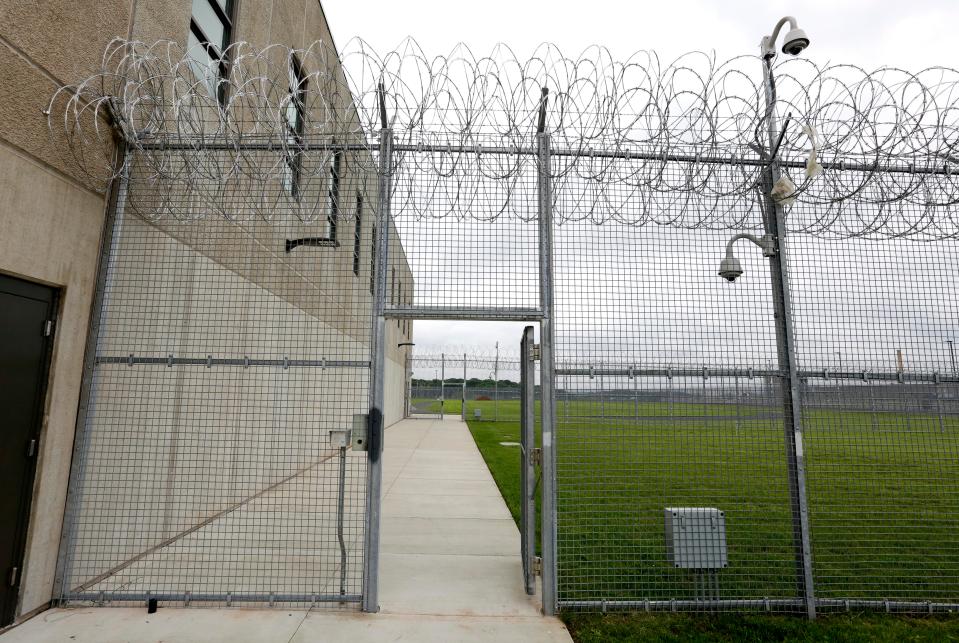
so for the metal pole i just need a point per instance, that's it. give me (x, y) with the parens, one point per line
(872, 406)
(739, 399)
(935, 391)
(785, 342)
(339, 520)
(463, 394)
(110, 240)
(547, 397)
(371, 553)
(952, 356)
(408, 398)
(442, 383)
(602, 393)
(496, 386)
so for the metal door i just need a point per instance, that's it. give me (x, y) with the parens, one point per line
(528, 460)
(26, 326)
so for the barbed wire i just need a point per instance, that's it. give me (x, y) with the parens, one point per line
(640, 141)
(474, 360)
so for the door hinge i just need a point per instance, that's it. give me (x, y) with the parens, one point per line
(536, 457)
(48, 328)
(14, 576)
(32, 448)
(537, 566)
(534, 352)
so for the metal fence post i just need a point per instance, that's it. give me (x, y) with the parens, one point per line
(442, 383)
(547, 397)
(371, 552)
(408, 402)
(774, 216)
(109, 241)
(463, 394)
(496, 386)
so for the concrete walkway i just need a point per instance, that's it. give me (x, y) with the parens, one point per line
(449, 568)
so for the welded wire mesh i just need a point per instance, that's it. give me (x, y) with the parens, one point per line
(676, 404)
(470, 246)
(228, 358)
(676, 430)
(874, 320)
(492, 384)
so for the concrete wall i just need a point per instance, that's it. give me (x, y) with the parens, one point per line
(51, 234)
(51, 217)
(52, 213)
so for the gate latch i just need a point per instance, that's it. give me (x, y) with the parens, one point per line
(536, 457)
(358, 435)
(534, 352)
(537, 566)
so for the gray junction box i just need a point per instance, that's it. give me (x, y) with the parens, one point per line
(696, 538)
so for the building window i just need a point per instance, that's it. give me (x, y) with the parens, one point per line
(295, 118)
(393, 286)
(373, 259)
(357, 233)
(211, 27)
(335, 167)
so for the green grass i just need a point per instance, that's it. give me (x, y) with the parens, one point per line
(682, 628)
(884, 508)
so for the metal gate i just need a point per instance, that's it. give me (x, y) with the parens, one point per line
(716, 446)
(429, 400)
(528, 460)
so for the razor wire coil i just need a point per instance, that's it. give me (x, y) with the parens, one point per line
(871, 153)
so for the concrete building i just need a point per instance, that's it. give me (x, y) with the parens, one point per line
(213, 288)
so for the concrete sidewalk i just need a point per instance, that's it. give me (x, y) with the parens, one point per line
(449, 570)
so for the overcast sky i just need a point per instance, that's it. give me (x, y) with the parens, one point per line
(913, 35)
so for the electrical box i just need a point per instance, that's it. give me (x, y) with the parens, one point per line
(696, 537)
(341, 438)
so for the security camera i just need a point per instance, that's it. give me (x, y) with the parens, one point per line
(730, 269)
(795, 41)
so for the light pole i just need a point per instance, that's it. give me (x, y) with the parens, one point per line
(773, 246)
(952, 356)
(408, 404)
(496, 386)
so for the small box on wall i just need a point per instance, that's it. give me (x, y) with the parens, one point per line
(696, 538)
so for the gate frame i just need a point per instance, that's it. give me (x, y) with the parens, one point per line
(527, 475)
(542, 314)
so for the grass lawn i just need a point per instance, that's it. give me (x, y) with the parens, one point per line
(884, 507)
